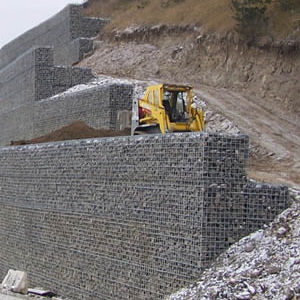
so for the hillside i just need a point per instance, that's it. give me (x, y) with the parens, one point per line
(213, 15)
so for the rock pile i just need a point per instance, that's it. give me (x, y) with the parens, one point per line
(264, 265)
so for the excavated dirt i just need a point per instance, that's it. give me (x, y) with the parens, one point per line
(194, 56)
(76, 130)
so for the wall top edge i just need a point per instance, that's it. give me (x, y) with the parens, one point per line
(264, 185)
(85, 88)
(180, 137)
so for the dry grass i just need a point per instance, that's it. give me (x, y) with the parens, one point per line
(215, 15)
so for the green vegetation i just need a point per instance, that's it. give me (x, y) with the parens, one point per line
(252, 21)
(289, 4)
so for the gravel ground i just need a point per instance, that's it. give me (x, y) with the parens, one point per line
(7, 295)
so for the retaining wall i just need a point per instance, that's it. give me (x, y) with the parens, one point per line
(28, 79)
(127, 218)
(98, 107)
(28, 73)
(61, 31)
(33, 77)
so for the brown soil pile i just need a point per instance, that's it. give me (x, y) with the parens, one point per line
(74, 131)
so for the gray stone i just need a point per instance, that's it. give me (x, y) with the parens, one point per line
(249, 247)
(16, 281)
(29, 79)
(273, 269)
(281, 231)
(243, 296)
(288, 293)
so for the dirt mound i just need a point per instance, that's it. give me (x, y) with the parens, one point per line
(74, 131)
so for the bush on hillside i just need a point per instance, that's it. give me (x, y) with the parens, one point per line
(251, 17)
(142, 3)
(288, 4)
(166, 3)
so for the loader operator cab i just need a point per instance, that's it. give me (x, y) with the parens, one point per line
(174, 103)
(166, 108)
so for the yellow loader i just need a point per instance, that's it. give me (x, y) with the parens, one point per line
(166, 108)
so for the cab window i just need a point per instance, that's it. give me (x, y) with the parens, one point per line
(174, 103)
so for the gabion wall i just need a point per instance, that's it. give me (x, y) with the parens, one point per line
(29, 74)
(61, 31)
(28, 79)
(130, 217)
(98, 107)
